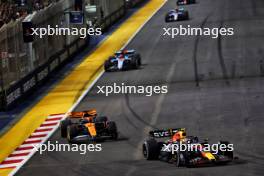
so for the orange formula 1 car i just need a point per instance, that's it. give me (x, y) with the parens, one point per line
(86, 126)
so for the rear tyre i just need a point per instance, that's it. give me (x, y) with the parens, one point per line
(112, 130)
(167, 19)
(63, 127)
(151, 149)
(176, 159)
(72, 132)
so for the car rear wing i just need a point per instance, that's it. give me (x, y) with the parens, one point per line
(165, 132)
(79, 114)
(131, 51)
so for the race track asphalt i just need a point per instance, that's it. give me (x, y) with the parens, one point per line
(216, 91)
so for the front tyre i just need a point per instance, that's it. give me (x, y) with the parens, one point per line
(177, 159)
(72, 132)
(63, 127)
(167, 19)
(228, 154)
(139, 59)
(151, 149)
(135, 62)
(112, 130)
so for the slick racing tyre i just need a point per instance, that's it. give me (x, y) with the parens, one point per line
(186, 15)
(167, 19)
(139, 59)
(228, 154)
(107, 65)
(72, 132)
(112, 130)
(151, 149)
(177, 159)
(135, 62)
(63, 127)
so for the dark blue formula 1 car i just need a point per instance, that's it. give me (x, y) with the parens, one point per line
(185, 2)
(123, 60)
(176, 15)
(155, 149)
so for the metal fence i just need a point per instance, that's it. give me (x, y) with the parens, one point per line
(13, 54)
(18, 59)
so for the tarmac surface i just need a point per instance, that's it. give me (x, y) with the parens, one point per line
(216, 91)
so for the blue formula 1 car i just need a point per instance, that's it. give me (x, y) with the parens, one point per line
(185, 2)
(123, 60)
(176, 15)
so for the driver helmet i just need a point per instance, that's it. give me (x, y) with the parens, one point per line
(90, 115)
(90, 119)
(179, 136)
(92, 112)
(124, 51)
(121, 56)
